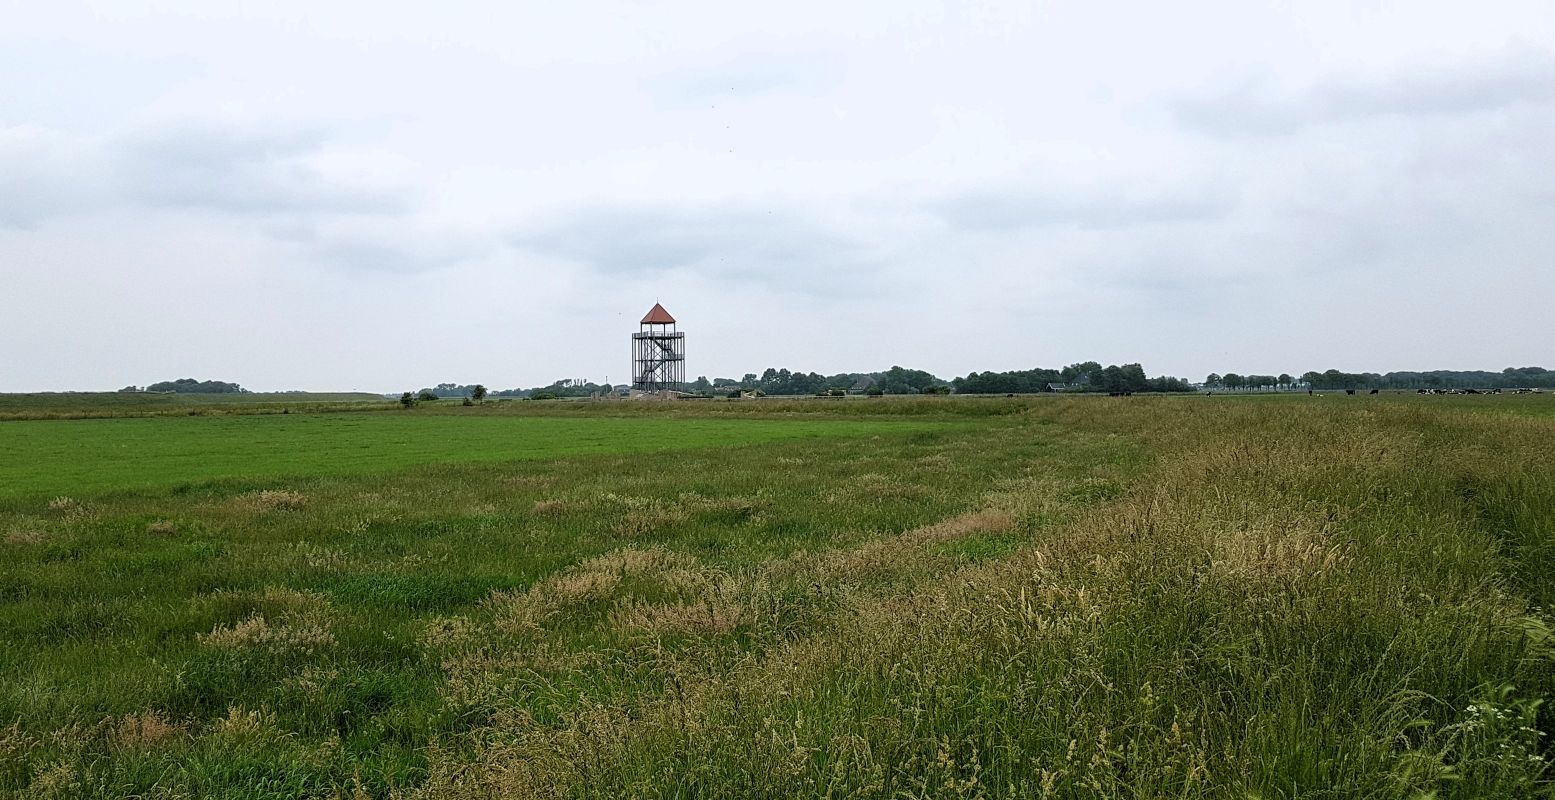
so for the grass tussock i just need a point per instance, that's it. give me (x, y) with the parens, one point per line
(24, 536)
(162, 527)
(272, 500)
(257, 633)
(143, 731)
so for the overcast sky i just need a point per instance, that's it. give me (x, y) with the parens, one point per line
(382, 196)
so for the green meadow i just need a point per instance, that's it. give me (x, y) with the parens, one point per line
(78, 405)
(149, 454)
(1066, 597)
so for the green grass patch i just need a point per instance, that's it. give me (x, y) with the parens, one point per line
(81, 458)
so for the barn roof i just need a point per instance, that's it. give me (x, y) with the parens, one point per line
(658, 316)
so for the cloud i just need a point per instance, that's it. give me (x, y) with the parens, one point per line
(746, 76)
(1124, 204)
(276, 176)
(775, 247)
(1257, 106)
(237, 170)
(225, 168)
(44, 175)
(398, 251)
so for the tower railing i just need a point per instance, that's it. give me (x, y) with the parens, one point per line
(658, 358)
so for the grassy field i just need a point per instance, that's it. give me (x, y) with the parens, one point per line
(45, 459)
(79, 405)
(987, 597)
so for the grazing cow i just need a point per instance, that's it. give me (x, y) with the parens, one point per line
(1349, 391)
(1373, 391)
(1421, 391)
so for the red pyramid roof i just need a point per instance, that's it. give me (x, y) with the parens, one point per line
(658, 316)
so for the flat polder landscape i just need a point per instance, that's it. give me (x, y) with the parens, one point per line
(1149, 596)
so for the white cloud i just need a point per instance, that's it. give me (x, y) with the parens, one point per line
(1258, 104)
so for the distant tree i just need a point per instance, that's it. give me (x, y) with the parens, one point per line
(898, 380)
(192, 386)
(874, 391)
(1286, 380)
(1231, 380)
(1212, 379)
(407, 400)
(1081, 373)
(1131, 378)
(1029, 381)
(1081, 377)
(478, 393)
(427, 396)
(1334, 379)
(701, 384)
(1167, 383)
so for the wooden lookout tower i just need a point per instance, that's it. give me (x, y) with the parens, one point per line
(658, 353)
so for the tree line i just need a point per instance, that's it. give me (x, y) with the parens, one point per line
(189, 386)
(1085, 376)
(1509, 378)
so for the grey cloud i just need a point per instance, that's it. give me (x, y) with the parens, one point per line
(45, 174)
(401, 254)
(1116, 207)
(1257, 106)
(377, 244)
(773, 247)
(238, 171)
